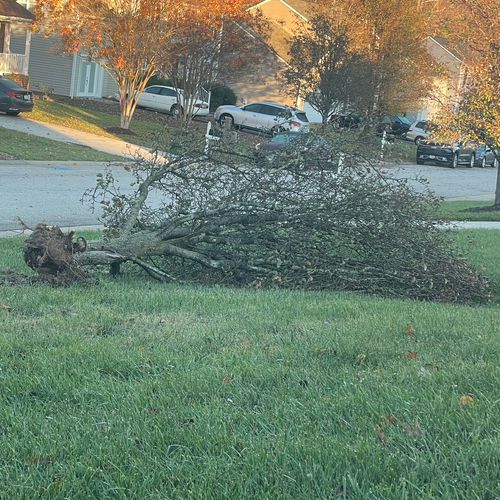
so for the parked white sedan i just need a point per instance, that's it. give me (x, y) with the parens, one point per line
(263, 116)
(163, 98)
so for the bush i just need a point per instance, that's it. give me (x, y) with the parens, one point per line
(158, 80)
(221, 94)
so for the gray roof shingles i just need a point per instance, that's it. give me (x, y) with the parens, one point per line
(10, 8)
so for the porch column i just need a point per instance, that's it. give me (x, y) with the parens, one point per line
(27, 47)
(6, 38)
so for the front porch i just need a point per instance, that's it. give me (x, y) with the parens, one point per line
(15, 38)
(14, 64)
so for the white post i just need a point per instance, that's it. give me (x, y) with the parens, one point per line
(384, 142)
(27, 48)
(341, 162)
(6, 39)
(207, 137)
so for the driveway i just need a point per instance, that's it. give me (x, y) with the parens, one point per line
(71, 136)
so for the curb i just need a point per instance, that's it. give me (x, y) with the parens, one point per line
(27, 232)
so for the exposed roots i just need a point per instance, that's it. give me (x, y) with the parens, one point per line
(50, 253)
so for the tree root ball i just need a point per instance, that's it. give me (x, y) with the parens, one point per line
(50, 253)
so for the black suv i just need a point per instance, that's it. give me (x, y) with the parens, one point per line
(396, 126)
(13, 98)
(445, 154)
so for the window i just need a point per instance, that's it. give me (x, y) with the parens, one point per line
(265, 109)
(421, 125)
(404, 120)
(252, 108)
(302, 117)
(153, 90)
(168, 92)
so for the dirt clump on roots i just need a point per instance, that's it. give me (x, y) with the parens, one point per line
(50, 253)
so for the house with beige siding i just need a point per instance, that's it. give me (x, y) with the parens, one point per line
(262, 82)
(287, 18)
(62, 74)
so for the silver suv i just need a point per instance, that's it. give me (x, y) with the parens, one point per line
(263, 116)
(419, 131)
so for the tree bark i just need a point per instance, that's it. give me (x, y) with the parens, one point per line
(497, 190)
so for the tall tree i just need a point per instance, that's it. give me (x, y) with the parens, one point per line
(390, 36)
(208, 37)
(324, 70)
(130, 38)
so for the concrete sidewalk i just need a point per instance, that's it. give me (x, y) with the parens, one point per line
(475, 225)
(72, 136)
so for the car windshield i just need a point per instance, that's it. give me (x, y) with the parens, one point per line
(404, 120)
(284, 138)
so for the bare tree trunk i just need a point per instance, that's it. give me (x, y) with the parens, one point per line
(497, 190)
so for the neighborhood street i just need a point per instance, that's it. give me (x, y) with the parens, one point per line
(452, 184)
(50, 192)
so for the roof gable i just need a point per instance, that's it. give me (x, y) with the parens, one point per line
(286, 19)
(10, 8)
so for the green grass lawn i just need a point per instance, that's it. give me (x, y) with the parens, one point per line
(96, 122)
(21, 146)
(454, 210)
(132, 389)
(400, 150)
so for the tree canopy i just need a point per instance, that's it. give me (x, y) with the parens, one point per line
(132, 39)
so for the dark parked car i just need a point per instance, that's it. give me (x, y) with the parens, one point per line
(396, 126)
(349, 121)
(445, 154)
(13, 98)
(313, 150)
(485, 157)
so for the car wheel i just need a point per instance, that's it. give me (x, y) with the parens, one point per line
(483, 162)
(13, 113)
(175, 110)
(226, 121)
(495, 163)
(418, 140)
(472, 161)
(454, 162)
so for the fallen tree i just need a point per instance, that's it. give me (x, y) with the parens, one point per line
(295, 220)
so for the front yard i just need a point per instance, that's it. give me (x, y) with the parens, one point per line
(20, 146)
(132, 389)
(103, 117)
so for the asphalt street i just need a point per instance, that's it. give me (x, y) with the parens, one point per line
(452, 184)
(50, 192)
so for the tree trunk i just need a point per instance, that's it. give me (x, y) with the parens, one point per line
(497, 190)
(58, 259)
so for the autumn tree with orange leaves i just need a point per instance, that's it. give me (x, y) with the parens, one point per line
(389, 36)
(473, 29)
(132, 39)
(208, 38)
